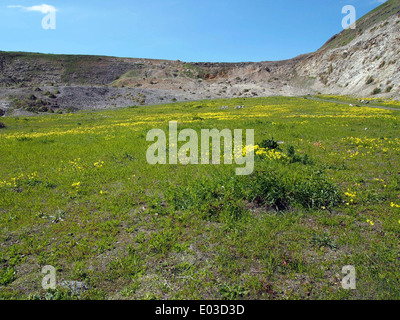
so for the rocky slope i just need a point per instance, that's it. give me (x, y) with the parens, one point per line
(360, 62)
(369, 64)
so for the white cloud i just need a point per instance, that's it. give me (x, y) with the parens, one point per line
(43, 8)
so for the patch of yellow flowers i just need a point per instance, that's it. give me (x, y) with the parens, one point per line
(75, 164)
(393, 205)
(77, 186)
(99, 164)
(14, 181)
(383, 145)
(370, 222)
(351, 195)
(270, 154)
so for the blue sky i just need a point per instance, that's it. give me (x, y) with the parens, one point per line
(188, 30)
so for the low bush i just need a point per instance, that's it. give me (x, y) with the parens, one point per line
(369, 80)
(376, 91)
(222, 198)
(7, 275)
(270, 144)
(50, 95)
(293, 157)
(315, 192)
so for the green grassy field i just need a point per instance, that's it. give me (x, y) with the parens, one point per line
(77, 193)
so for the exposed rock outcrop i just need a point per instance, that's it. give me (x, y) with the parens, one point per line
(361, 62)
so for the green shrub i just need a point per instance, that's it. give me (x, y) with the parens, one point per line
(43, 109)
(376, 91)
(197, 118)
(19, 103)
(324, 241)
(163, 241)
(221, 198)
(228, 292)
(2, 125)
(369, 80)
(293, 157)
(291, 153)
(7, 275)
(270, 144)
(204, 191)
(316, 192)
(50, 95)
(266, 188)
(58, 294)
(232, 211)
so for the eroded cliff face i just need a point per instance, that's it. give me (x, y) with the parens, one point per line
(363, 62)
(370, 62)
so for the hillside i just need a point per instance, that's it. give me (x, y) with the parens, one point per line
(365, 23)
(361, 62)
(364, 61)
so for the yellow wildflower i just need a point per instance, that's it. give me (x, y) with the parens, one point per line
(393, 205)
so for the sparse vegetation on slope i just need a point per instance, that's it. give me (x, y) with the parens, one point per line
(365, 23)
